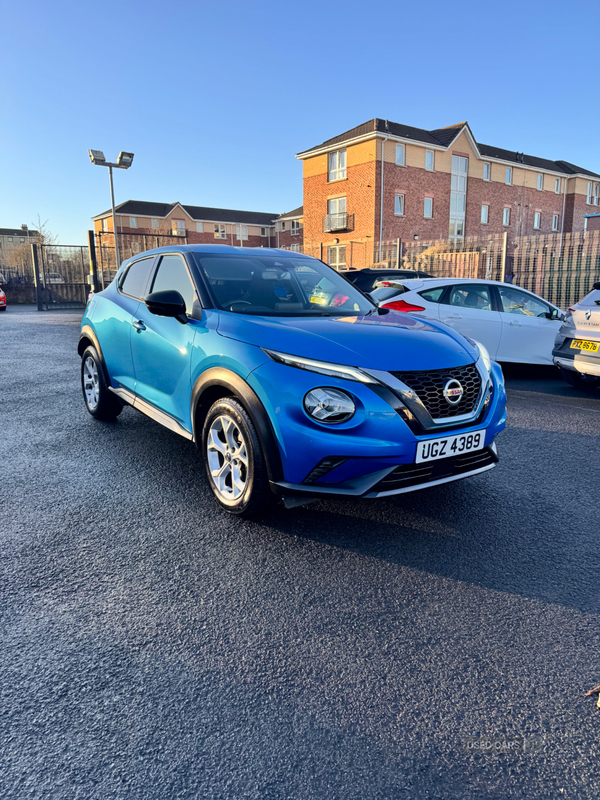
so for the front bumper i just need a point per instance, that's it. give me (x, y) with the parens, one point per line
(373, 454)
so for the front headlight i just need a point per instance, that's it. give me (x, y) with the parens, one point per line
(322, 367)
(329, 405)
(484, 355)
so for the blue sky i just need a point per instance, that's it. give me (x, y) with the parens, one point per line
(216, 99)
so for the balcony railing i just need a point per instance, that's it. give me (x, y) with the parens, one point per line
(338, 222)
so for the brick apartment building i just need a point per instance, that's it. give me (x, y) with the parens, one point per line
(383, 181)
(289, 230)
(200, 225)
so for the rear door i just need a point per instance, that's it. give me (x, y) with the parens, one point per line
(114, 324)
(469, 309)
(527, 333)
(162, 346)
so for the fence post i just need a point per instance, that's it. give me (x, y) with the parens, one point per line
(36, 275)
(503, 257)
(93, 262)
(398, 253)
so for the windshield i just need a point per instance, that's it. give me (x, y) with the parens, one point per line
(272, 286)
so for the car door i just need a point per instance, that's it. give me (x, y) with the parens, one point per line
(527, 332)
(162, 346)
(114, 323)
(469, 309)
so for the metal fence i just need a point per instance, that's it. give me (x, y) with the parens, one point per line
(61, 275)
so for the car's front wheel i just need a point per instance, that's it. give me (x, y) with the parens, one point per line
(233, 458)
(586, 383)
(99, 401)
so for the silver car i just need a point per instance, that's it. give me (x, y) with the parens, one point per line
(577, 346)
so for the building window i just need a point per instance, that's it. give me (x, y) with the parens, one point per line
(220, 231)
(132, 222)
(589, 193)
(336, 256)
(283, 226)
(506, 216)
(295, 248)
(400, 155)
(199, 227)
(596, 193)
(508, 176)
(428, 207)
(154, 224)
(295, 227)
(457, 228)
(21, 240)
(178, 227)
(485, 214)
(537, 220)
(555, 222)
(557, 185)
(429, 160)
(135, 248)
(105, 224)
(337, 166)
(241, 233)
(263, 231)
(487, 171)
(10, 238)
(399, 205)
(540, 182)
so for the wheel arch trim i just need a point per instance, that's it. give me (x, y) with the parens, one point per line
(88, 333)
(237, 386)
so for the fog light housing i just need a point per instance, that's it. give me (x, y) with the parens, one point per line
(329, 405)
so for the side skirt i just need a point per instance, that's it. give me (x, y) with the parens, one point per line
(166, 420)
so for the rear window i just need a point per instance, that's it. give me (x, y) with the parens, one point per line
(383, 293)
(433, 295)
(136, 277)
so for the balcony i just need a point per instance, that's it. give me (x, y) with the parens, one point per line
(338, 222)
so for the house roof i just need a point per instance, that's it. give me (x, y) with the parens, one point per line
(200, 213)
(445, 137)
(17, 232)
(297, 212)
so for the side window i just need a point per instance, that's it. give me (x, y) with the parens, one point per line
(516, 302)
(172, 274)
(433, 295)
(136, 276)
(471, 295)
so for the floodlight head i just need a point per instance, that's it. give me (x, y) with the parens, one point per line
(96, 156)
(124, 160)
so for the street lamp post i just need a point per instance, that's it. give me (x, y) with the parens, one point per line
(124, 161)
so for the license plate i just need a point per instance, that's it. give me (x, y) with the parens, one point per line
(448, 446)
(581, 344)
(318, 300)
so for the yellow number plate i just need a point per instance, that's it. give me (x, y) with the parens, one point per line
(589, 347)
(319, 300)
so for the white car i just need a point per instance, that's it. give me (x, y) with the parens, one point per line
(514, 324)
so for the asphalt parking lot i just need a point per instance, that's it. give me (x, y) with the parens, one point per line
(152, 647)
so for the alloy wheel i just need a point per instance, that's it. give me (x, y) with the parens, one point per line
(91, 383)
(227, 455)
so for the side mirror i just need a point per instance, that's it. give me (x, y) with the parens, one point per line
(167, 304)
(554, 314)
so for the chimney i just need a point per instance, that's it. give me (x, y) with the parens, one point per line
(23, 227)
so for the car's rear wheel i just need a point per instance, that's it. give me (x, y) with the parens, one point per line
(234, 461)
(586, 383)
(99, 401)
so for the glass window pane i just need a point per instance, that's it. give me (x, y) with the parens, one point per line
(433, 295)
(471, 295)
(135, 279)
(454, 163)
(516, 302)
(428, 207)
(173, 275)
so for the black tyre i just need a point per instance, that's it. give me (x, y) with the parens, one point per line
(586, 383)
(234, 461)
(101, 403)
(3, 308)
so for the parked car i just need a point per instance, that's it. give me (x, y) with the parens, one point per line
(282, 395)
(577, 347)
(514, 324)
(369, 279)
(54, 277)
(2, 299)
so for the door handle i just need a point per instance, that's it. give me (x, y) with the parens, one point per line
(454, 316)
(516, 324)
(139, 325)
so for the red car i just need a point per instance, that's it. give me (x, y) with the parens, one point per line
(2, 300)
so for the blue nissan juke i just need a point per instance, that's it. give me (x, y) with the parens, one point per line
(290, 381)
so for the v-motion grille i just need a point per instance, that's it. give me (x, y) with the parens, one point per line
(429, 387)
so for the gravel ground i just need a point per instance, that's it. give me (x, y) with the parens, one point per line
(152, 647)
